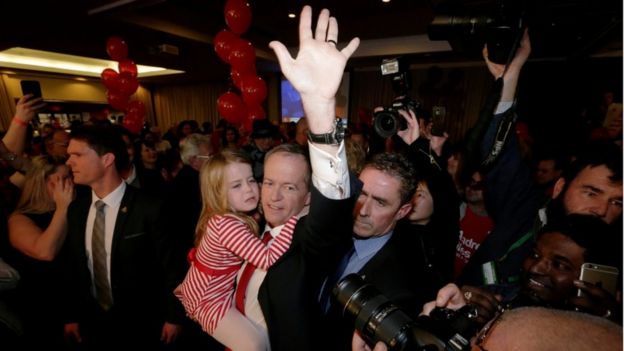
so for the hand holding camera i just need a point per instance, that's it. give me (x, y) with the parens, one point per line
(377, 320)
(389, 121)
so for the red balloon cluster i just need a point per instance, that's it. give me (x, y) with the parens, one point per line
(121, 85)
(241, 56)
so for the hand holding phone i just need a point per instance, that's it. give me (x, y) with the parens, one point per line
(605, 277)
(30, 102)
(597, 287)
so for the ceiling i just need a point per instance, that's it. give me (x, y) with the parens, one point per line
(561, 29)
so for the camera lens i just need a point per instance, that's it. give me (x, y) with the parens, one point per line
(373, 314)
(388, 122)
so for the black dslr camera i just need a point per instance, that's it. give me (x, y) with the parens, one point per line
(388, 121)
(500, 27)
(377, 319)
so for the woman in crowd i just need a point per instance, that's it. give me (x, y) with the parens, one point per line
(37, 231)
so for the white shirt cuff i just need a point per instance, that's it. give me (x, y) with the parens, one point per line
(503, 106)
(330, 173)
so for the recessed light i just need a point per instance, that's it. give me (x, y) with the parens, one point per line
(292, 15)
(46, 61)
(385, 0)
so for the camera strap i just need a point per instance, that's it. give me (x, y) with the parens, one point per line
(505, 126)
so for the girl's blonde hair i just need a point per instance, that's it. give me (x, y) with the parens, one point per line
(35, 197)
(214, 192)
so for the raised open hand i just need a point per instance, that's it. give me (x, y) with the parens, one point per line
(317, 70)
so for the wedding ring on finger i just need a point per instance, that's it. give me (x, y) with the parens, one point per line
(331, 41)
(467, 295)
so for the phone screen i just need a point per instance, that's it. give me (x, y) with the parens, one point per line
(31, 87)
(437, 119)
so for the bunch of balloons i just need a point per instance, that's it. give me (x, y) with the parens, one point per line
(241, 56)
(121, 85)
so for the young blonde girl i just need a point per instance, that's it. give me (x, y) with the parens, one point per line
(226, 237)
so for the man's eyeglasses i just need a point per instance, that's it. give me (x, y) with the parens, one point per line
(485, 332)
(204, 157)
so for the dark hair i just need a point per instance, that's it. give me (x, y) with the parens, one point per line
(224, 141)
(588, 232)
(596, 154)
(294, 149)
(103, 139)
(398, 166)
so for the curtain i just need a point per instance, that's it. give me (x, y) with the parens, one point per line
(145, 96)
(173, 104)
(7, 106)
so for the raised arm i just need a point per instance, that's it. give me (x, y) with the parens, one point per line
(43, 245)
(317, 70)
(510, 77)
(15, 136)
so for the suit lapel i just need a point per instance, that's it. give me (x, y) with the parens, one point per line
(122, 217)
(382, 255)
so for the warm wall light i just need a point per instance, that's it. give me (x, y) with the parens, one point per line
(37, 60)
(292, 15)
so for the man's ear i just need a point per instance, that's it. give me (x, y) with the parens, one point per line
(558, 188)
(307, 198)
(404, 211)
(108, 159)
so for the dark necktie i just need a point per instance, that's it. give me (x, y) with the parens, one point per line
(243, 282)
(333, 280)
(98, 254)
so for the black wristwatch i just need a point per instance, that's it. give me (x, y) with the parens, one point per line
(332, 138)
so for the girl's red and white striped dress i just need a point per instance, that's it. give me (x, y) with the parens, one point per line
(208, 289)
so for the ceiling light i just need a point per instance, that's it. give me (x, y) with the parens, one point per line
(385, 0)
(37, 60)
(292, 15)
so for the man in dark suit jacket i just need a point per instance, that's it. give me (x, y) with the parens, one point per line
(288, 293)
(390, 259)
(132, 302)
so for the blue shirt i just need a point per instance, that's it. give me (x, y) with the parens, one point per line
(365, 249)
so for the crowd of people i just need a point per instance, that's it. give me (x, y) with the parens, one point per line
(219, 240)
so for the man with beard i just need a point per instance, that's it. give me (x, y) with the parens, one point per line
(592, 186)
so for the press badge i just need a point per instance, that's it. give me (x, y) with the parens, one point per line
(489, 273)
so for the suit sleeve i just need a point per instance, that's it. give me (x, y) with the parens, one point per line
(172, 262)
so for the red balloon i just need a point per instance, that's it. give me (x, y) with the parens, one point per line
(116, 48)
(128, 84)
(110, 78)
(128, 66)
(231, 107)
(223, 44)
(117, 100)
(243, 56)
(132, 122)
(254, 90)
(255, 112)
(136, 107)
(237, 77)
(237, 15)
